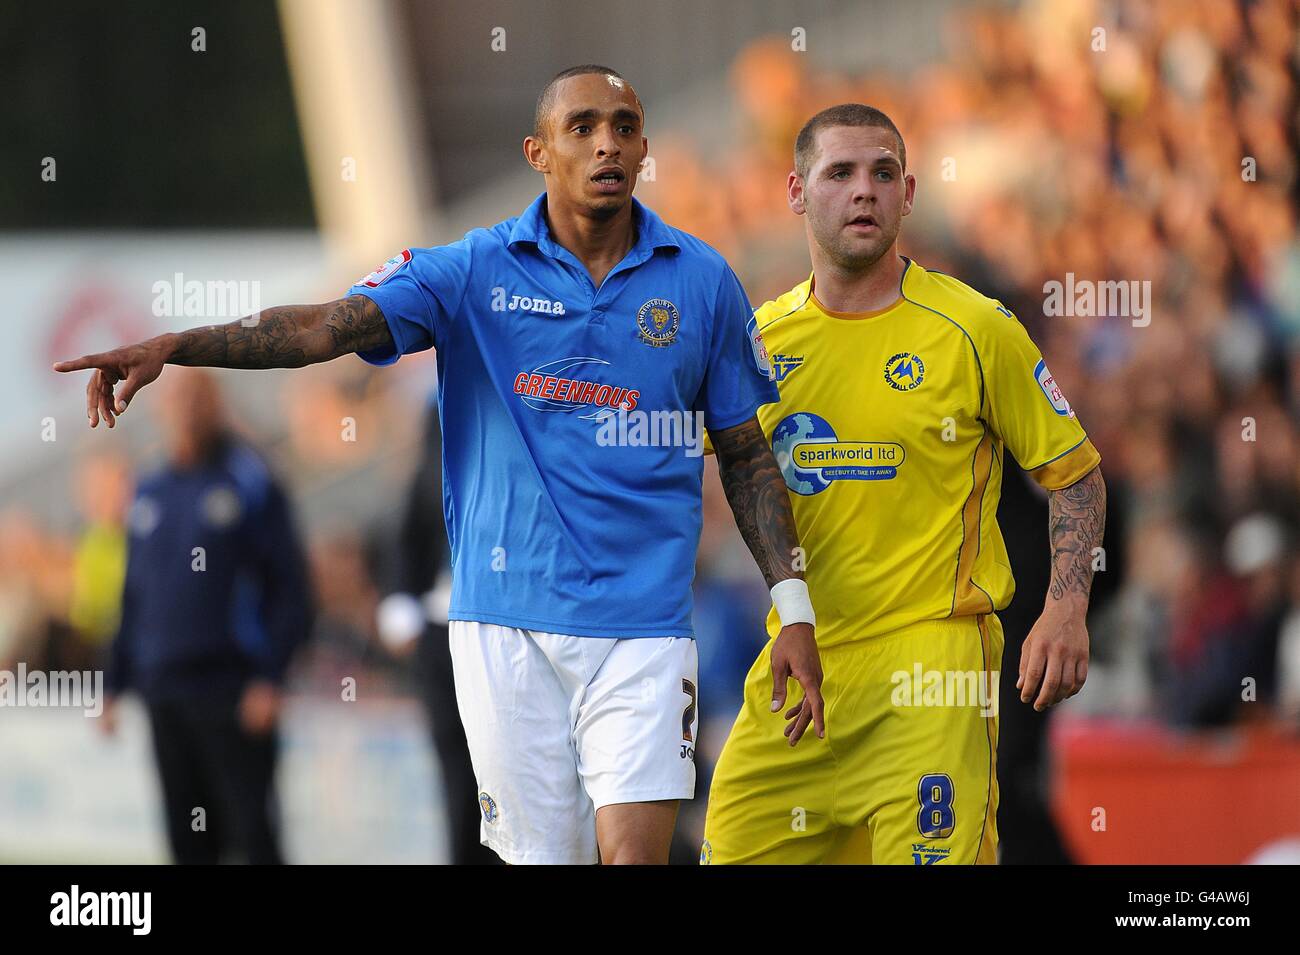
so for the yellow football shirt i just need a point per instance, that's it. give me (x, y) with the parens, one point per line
(890, 433)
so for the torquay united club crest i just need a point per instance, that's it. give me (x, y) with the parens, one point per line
(658, 321)
(905, 371)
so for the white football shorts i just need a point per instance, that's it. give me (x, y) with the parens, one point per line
(559, 726)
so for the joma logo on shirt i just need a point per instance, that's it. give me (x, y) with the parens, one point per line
(501, 302)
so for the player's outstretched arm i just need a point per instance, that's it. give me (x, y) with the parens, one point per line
(286, 337)
(1054, 657)
(760, 502)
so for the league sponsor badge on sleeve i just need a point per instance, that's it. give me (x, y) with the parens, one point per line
(387, 270)
(761, 358)
(1052, 390)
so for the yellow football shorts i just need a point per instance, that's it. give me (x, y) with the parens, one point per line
(905, 775)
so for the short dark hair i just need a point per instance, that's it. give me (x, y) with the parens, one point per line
(546, 100)
(845, 114)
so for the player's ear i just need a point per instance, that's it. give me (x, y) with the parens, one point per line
(794, 193)
(535, 154)
(909, 194)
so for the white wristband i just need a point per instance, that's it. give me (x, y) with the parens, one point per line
(792, 603)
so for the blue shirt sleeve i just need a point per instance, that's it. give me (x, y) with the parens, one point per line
(419, 291)
(739, 376)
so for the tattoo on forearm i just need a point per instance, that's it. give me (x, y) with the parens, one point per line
(1076, 523)
(270, 339)
(286, 337)
(759, 500)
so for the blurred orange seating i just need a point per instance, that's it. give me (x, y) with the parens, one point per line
(1173, 798)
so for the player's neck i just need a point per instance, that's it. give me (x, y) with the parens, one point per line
(599, 244)
(874, 288)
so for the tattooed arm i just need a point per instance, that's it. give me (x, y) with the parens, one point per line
(286, 337)
(1077, 522)
(760, 502)
(1055, 654)
(758, 498)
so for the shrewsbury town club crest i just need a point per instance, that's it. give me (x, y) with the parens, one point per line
(658, 321)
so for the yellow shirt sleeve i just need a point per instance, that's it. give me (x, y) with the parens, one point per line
(1028, 410)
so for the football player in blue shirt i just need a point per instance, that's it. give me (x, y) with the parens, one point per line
(582, 348)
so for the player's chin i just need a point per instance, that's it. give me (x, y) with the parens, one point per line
(607, 204)
(859, 252)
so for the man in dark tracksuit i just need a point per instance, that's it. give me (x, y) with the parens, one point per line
(215, 601)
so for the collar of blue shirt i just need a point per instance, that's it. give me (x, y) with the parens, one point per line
(651, 233)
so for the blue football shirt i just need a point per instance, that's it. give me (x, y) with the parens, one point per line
(570, 416)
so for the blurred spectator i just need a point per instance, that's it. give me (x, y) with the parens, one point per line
(35, 587)
(103, 495)
(215, 603)
(1226, 627)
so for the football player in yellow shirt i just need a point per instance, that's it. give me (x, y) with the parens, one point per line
(901, 392)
